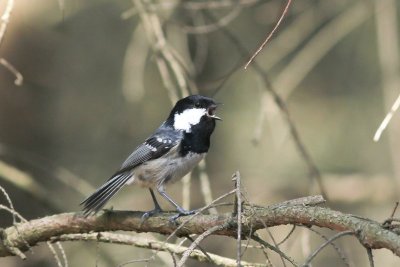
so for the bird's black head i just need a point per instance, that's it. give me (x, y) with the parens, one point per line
(192, 110)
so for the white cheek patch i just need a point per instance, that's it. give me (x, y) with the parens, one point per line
(189, 117)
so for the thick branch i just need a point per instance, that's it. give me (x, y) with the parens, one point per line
(370, 233)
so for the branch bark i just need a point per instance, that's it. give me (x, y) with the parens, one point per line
(297, 212)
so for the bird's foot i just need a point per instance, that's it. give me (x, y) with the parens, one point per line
(150, 213)
(182, 212)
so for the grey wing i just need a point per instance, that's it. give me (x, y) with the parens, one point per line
(141, 154)
(153, 148)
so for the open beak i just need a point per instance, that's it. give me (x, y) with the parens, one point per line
(211, 113)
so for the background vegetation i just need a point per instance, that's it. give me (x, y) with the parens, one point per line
(97, 80)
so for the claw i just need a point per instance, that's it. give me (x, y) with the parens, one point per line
(181, 212)
(150, 213)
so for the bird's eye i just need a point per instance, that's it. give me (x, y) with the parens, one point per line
(197, 104)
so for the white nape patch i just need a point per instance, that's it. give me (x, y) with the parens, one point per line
(189, 117)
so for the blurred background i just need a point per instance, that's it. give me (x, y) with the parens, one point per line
(100, 76)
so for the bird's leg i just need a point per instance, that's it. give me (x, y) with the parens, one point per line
(156, 205)
(157, 208)
(181, 211)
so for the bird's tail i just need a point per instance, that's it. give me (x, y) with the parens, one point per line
(94, 202)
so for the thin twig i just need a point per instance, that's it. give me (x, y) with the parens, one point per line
(275, 244)
(387, 119)
(270, 34)
(63, 254)
(337, 249)
(197, 242)
(391, 220)
(132, 261)
(9, 203)
(19, 79)
(287, 236)
(396, 205)
(264, 251)
(278, 251)
(387, 223)
(200, 248)
(238, 211)
(173, 258)
(330, 240)
(54, 253)
(14, 212)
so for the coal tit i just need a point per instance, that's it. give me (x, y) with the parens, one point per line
(171, 152)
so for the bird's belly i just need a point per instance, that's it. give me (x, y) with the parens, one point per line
(164, 170)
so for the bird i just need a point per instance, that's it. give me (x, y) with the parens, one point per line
(166, 156)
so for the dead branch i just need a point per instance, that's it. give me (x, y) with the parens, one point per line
(147, 243)
(370, 233)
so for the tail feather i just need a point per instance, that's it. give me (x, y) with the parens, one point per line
(97, 200)
(103, 198)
